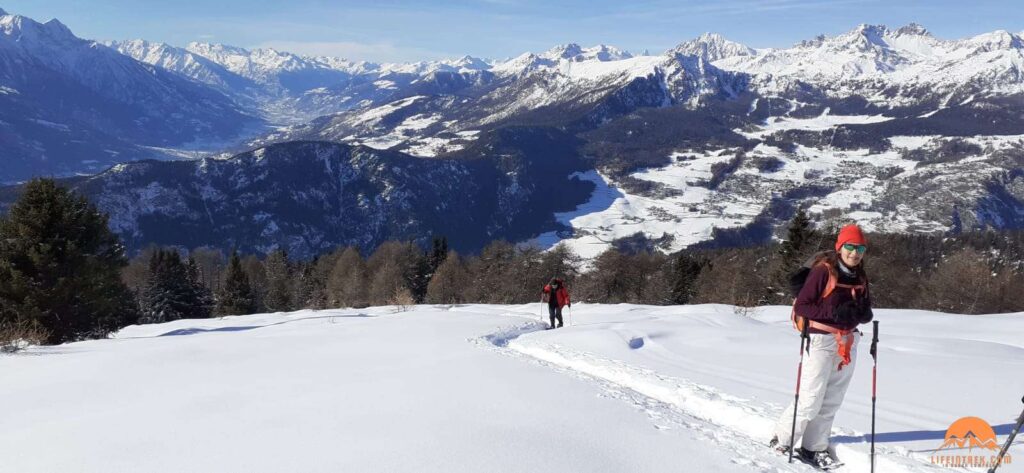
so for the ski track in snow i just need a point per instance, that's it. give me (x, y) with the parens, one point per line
(739, 425)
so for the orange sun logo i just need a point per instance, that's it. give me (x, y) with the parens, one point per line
(970, 433)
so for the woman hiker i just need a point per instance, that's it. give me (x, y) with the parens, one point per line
(557, 296)
(835, 298)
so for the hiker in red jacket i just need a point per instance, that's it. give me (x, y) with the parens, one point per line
(557, 301)
(834, 299)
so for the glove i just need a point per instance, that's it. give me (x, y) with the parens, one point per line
(847, 313)
(864, 313)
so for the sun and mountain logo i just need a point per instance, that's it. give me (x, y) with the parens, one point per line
(975, 436)
(970, 433)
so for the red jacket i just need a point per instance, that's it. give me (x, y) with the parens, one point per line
(561, 294)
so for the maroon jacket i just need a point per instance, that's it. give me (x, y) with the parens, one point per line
(809, 303)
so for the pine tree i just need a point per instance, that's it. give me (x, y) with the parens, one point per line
(422, 272)
(278, 275)
(201, 295)
(60, 266)
(438, 253)
(236, 296)
(686, 269)
(257, 276)
(801, 242)
(173, 290)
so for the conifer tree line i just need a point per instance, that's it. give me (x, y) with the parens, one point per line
(64, 275)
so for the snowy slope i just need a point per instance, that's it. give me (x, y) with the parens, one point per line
(480, 388)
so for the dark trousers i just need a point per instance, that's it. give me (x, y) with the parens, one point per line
(555, 313)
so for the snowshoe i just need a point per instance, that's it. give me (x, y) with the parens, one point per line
(774, 444)
(824, 460)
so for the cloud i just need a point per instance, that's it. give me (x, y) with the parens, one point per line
(355, 51)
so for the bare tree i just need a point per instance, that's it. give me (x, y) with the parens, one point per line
(136, 274)
(211, 263)
(390, 269)
(732, 278)
(449, 282)
(964, 283)
(493, 278)
(347, 283)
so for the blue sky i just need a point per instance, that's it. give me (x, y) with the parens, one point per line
(390, 30)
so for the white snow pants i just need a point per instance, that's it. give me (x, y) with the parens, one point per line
(822, 388)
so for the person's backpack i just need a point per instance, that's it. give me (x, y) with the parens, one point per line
(799, 277)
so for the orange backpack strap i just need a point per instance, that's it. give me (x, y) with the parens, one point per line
(833, 280)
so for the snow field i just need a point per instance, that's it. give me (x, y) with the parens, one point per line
(732, 372)
(484, 388)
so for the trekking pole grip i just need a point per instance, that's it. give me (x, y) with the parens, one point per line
(874, 340)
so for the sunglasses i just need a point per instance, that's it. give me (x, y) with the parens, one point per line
(858, 248)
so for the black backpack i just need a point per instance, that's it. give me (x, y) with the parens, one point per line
(799, 277)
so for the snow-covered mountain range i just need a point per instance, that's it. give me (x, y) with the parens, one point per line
(70, 105)
(711, 140)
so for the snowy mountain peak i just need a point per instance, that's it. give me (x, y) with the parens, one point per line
(875, 31)
(712, 47)
(563, 51)
(998, 40)
(575, 53)
(213, 51)
(57, 28)
(33, 34)
(2, 12)
(470, 62)
(523, 63)
(872, 38)
(862, 38)
(912, 29)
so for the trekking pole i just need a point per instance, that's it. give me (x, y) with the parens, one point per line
(1009, 441)
(542, 307)
(874, 385)
(804, 340)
